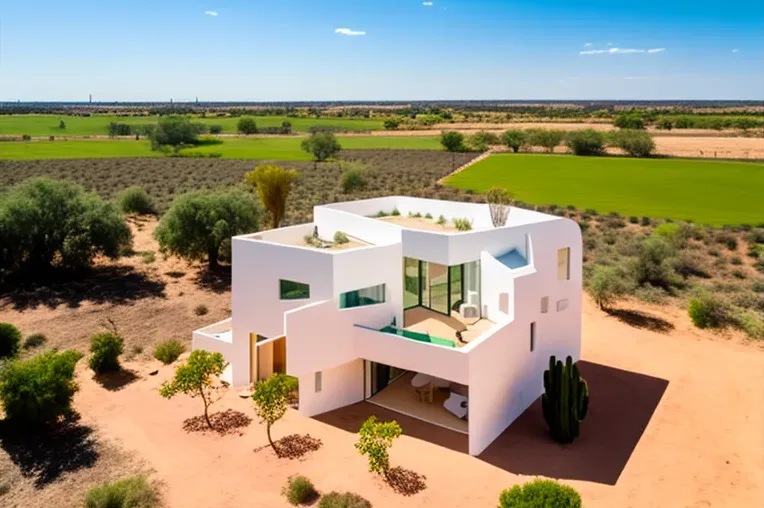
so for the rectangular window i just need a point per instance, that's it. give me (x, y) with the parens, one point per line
(533, 336)
(319, 380)
(361, 297)
(562, 305)
(545, 305)
(563, 264)
(291, 290)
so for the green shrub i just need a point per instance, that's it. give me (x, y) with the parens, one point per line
(133, 492)
(514, 139)
(201, 310)
(728, 240)
(35, 340)
(482, 141)
(395, 212)
(343, 500)
(353, 179)
(586, 142)
(428, 215)
(169, 350)
(651, 294)
(462, 224)
(442, 220)
(708, 311)
(751, 323)
(629, 120)
(540, 493)
(299, 490)
(546, 138)
(759, 265)
(607, 285)
(105, 349)
(340, 237)
(10, 340)
(148, 257)
(654, 264)
(135, 199)
(246, 126)
(38, 392)
(636, 143)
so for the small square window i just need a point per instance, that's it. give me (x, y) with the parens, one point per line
(533, 336)
(319, 381)
(545, 305)
(292, 290)
(562, 305)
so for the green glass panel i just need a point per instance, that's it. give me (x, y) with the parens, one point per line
(291, 290)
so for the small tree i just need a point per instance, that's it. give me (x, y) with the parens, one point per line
(246, 125)
(391, 124)
(514, 139)
(196, 378)
(198, 223)
(321, 145)
(654, 264)
(135, 199)
(10, 340)
(483, 140)
(546, 138)
(175, 132)
(629, 120)
(273, 185)
(540, 493)
(353, 179)
(606, 285)
(498, 200)
(637, 143)
(271, 399)
(665, 124)
(62, 125)
(45, 223)
(565, 401)
(38, 392)
(374, 439)
(586, 142)
(453, 142)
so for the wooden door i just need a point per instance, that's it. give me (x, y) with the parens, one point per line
(279, 356)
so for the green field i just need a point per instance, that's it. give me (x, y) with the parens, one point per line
(707, 192)
(278, 148)
(47, 125)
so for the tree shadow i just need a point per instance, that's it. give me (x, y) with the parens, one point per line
(114, 284)
(225, 422)
(350, 418)
(175, 274)
(115, 381)
(621, 406)
(404, 481)
(639, 319)
(47, 456)
(295, 446)
(217, 280)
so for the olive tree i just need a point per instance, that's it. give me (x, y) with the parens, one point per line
(607, 285)
(246, 125)
(271, 399)
(175, 132)
(46, 223)
(637, 143)
(196, 378)
(453, 142)
(198, 223)
(546, 138)
(514, 139)
(321, 145)
(273, 184)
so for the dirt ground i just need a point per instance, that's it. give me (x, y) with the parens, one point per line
(675, 420)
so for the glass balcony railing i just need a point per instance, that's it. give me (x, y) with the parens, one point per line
(421, 337)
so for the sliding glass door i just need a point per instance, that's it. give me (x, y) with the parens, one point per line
(438, 286)
(434, 286)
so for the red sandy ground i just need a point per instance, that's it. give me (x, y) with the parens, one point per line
(702, 446)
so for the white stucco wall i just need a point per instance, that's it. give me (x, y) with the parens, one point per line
(340, 387)
(505, 377)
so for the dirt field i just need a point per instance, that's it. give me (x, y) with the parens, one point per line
(675, 418)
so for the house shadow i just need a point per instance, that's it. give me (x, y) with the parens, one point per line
(620, 407)
(639, 319)
(47, 456)
(116, 284)
(350, 418)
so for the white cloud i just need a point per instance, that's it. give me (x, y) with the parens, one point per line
(735, 50)
(210, 13)
(609, 44)
(347, 31)
(630, 78)
(587, 44)
(428, 4)
(620, 51)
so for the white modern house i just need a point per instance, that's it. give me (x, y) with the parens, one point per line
(452, 327)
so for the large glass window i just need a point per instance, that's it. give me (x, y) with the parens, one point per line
(563, 264)
(410, 283)
(291, 290)
(361, 297)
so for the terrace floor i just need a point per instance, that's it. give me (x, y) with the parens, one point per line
(418, 223)
(399, 396)
(423, 320)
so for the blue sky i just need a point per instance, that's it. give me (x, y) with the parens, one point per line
(459, 49)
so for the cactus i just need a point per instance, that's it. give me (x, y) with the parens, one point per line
(565, 401)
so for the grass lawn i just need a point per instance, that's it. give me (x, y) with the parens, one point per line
(708, 192)
(273, 148)
(46, 125)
